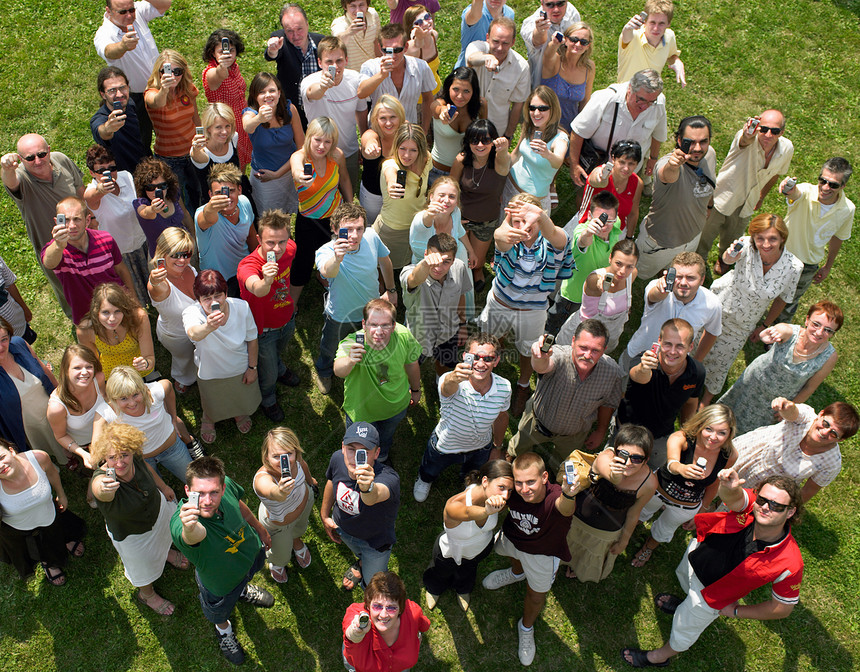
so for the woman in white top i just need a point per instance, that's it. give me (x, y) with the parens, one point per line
(441, 214)
(467, 538)
(151, 407)
(286, 500)
(171, 288)
(226, 353)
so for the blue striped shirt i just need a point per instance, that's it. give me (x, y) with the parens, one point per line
(526, 276)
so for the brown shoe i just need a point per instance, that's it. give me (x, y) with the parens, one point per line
(720, 268)
(521, 396)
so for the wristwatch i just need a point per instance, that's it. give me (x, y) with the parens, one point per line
(253, 368)
(369, 490)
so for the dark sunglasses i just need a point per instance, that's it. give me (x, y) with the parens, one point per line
(153, 187)
(554, 5)
(32, 157)
(635, 459)
(773, 130)
(821, 180)
(181, 255)
(581, 40)
(176, 72)
(486, 358)
(776, 507)
(123, 12)
(111, 168)
(392, 50)
(481, 141)
(538, 108)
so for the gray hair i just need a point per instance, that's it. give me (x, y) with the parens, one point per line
(839, 166)
(647, 79)
(293, 7)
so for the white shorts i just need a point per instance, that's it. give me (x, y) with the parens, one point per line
(498, 320)
(540, 569)
(673, 516)
(693, 614)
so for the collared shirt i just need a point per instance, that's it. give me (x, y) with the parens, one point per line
(775, 449)
(417, 79)
(137, 63)
(744, 174)
(117, 215)
(478, 31)
(339, 103)
(125, 145)
(526, 275)
(511, 84)
(466, 417)
(360, 46)
(565, 403)
(640, 55)
(595, 120)
(810, 228)
(308, 59)
(535, 54)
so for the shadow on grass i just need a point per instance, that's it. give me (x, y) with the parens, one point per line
(815, 538)
(812, 646)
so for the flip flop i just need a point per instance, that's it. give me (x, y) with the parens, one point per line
(279, 574)
(639, 658)
(56, 579)
(353, 576)
(77, 548)
(207, 431)
(569, 573)
(180, 562)
(243, 423)
(642, 557)
(303, 556)
(165, 607)
(667, 603)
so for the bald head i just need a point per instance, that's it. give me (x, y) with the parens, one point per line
(770, 119)
(29, 147)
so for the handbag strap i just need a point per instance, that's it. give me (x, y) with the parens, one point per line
(612, 129)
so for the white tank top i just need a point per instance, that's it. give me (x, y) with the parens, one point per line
(80, 427)
(279, 510)
(467, 539)
(30, 508)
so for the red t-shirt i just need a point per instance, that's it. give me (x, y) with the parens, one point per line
(372, 654)
(538, 529)
(275, 309)
(625, 199)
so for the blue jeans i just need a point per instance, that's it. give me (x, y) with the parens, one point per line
(386, 429)
(332, 334)
(272, 342)
(189, 187)
(217, 608)
(174, 459)
(372, 561)
(434, 462)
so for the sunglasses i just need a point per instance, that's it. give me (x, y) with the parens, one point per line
(153, 187)
(387, 608)
(624, 455)
(829, 430)
(180, 255)
(821, 180)
(32, 157)
(393, 50)
(481, 141)
(773, 130)
(486, 358)
(176, 72)
(554, 5)
(538, 108)
(776, 507)
(111, 168)
(581, 40)
(123, 12)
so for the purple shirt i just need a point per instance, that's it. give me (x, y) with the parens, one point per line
(398, 12)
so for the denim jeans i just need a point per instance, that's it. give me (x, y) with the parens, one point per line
(435, 462)
(332, 334)
(217, 608)
(386, 429)
(372, 561)
(270, 365)
(174, 459)
(189, 186)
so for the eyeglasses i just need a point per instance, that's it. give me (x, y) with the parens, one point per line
(381, 327)
(116, 89)
(538, 108)
(387, 608)
(486, 358)
(481, 141)
(817, 325)
(111, 168)
(776, 507)
(153, 187)
(773, 130)
(821, 181)
(644, 101)
(123, 12)
(554, 5)
(32, 157)
(829, 430)
(176, 72)
(180, 255)
(580, 40)
(624, 455)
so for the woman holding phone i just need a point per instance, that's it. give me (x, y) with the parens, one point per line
(458, 104)
(377, 145)
(158, 205)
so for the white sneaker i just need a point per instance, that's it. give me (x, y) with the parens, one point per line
(501, 578)
(527, 648)
(420, 490)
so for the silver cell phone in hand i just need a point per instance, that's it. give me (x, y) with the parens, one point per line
(286, 469)
(670, 279)
(200, 130)
(388, 51)
(737, 247)
(701, 462)
(167, 69)
(570, 472)
(359, 338)
(360, 457)
(608, 279)
(790, 184)
(194, 499)
(61, 219)
(332, 71)
(548, 342)
(110, 473)
(215, 306)
(643, 16)
(106, 174)
(537, 135)
(363, 620)
(270, 257)
(469, 359)
(753, 126)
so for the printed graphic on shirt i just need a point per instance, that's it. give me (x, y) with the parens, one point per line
(235, 543)
(527, 523)
(347, 499)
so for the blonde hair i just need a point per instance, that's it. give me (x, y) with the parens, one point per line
(440, 182)
(116, 437)
(125, 381)
(281, 437)
(712, 415)
(112, 293)
(524, 198)
(585, 57)
(185, 85)
(321, 126)
(390, 103)
(214, 111)
(64, 388)
(173, 240)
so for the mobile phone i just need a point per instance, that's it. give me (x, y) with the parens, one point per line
(608, 279)
(363, 620)
(110, 473)
(360, 457)
(106, 174)
(225, 191)
(537, 135)
(129, 28)
(452, 110)
(737, 247)
(117, 105)
(159, 193)
(623, 454)
(401, 178)
(167, 69)
(343, 233)
(607, 168)
(215, 306)
(270, 257)
(548, 342)
(643, 16)
(559, 36)
(790, 184)
(686, 145)
(200, 130)
(159, 263)
(701, 462)
(359, 16)
(61, 219)
(332, 71)
(603, 218)
(655, 349)
(570, 472)
(309, 169)
(670, 279)
(286, 470)
(469, 358)
(225, 45)
(194, 499)
(389, 51)
(543, 15)
(753, 126)
(359, 338)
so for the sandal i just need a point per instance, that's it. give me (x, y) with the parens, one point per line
(243, 423)
(642, 556)
(56, 579)
(176, 559)
(207, 431)
(667, 603)
(352, 576)
(74, 463)
(180, 388)
(639, 658)
(569, 573)
(165, 607)
(76, 548)
(303, 556)
(279, 574)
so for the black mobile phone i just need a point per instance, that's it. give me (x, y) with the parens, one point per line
(309, 169)
(117, 105)
(548, 342)
(543, 15)
(106, 174)
(225, 45)
(670, 279)
(360, 457)
(559, 36)
(225, 191)
(286, 470)
(343, 233)
(359, 338)
(401, 178)
(686, 144)
(159, 193)
(603, 218)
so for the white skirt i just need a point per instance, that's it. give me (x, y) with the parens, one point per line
(143, 555)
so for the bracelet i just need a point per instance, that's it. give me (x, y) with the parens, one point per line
(253, 368)
(566, 496)
(670, 462)
(736, 612)
(413, 391)
(369, 490)
(391, 289)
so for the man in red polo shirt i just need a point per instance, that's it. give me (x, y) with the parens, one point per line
(734, 552)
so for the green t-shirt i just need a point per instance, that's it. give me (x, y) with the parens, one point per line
(595, 256)
(224, 557)
(377, 388)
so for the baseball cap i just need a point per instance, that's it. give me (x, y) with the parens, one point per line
(363, 433)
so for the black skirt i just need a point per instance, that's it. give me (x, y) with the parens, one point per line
(24, 549)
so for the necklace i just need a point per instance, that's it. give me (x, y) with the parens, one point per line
(477, 182)
(807, 355)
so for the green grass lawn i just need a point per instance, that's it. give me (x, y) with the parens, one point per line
(741, 58)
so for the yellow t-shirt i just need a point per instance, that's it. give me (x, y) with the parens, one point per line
(639, 55)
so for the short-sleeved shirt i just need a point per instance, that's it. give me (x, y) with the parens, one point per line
(230, 547)
(275, 309)
(538, 529)
(511, 84)
(339, 103)
(566, 404)
(810, 228)
(373, 524)
(478, 31)
(137, 63)
(372, 653)
(81, 272)
(595, 256)
(704, 312)
(224, 244)
(466, 417)
(417, 79)
(526, 275)
(224, 352)
(656, 404)
(640, 55)
(356, 282)
(775, 450)
(399, 11)
(359, 46)
(377, 388)
(527, 31)
(117, 215)
(125, 145)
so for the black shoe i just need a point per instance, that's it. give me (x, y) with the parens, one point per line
(274, 412)
(258, 597)
(195, 449)
(289, 378)
(230, 647)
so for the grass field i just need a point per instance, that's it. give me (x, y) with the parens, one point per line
(741, 58)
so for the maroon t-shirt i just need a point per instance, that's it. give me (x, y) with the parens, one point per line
(538, 529)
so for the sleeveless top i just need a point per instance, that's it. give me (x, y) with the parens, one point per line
(272, 147)
(123, 352)
(397, 213)
(532, 172)
(569, 96)
(80, 427)
(682, 489)
(447, 143)
(278, 510)
(604, 507)
(608, 304)
(30, 508)
(170, 310)
(321, 198)
(625, 199)
(481, 193)
(467, 540)
(173, 124)
(231, 92)
(156, 424)
(371, 169)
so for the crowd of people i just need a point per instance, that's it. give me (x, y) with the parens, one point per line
(358, 165)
